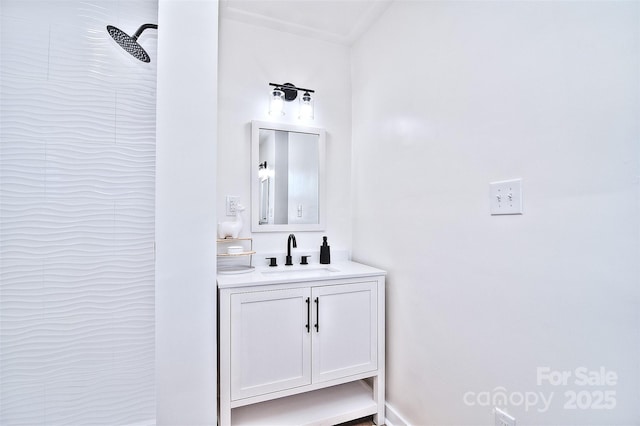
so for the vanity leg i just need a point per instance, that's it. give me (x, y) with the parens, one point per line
(378, 394)
(225, 413)
(379, 381)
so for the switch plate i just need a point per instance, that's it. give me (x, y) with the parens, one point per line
(503, 419)
(506, 197)
(232, 204)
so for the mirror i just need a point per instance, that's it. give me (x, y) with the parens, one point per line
(287, 177)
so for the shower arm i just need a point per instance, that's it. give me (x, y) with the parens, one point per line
(142, 28)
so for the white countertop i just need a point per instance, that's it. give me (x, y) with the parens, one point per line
(297, 273)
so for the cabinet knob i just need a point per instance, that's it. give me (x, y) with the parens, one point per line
(272, 261)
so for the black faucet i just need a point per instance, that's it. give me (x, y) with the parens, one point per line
(291, 238)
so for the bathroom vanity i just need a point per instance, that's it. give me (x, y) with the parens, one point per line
(301, 344)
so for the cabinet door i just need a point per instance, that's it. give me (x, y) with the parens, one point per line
(344, 330)
(270, 343)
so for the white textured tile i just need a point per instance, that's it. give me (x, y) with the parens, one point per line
(25, 49)
(76, 217)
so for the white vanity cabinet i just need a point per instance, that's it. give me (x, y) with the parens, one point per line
(302, 351)
(270, 349)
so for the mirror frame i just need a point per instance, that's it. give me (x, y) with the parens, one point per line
(255, 187)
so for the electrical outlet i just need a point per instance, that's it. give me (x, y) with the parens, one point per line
(232, 204)
(503, 419)
(506, 197)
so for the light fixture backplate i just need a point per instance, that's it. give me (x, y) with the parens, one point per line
(290, 92)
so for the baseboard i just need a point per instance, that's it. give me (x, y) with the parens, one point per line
(393, 418)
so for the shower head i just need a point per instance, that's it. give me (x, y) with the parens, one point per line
(130, 43)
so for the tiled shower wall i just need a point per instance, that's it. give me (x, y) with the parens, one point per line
(77, 172)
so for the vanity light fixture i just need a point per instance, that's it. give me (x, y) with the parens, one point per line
(263, 172)
(287, 92)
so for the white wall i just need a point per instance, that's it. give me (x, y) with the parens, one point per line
(251, 57)
(449, 96)
(185, 212)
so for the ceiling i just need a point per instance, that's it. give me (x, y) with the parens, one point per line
(340, 21)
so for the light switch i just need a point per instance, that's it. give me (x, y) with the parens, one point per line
(506, 197)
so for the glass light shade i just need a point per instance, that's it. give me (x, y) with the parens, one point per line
(263, 172)
(306, 107)
(276, 102)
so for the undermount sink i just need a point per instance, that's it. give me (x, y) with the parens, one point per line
(301, 272)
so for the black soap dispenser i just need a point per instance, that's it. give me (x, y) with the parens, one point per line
(325, 254)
